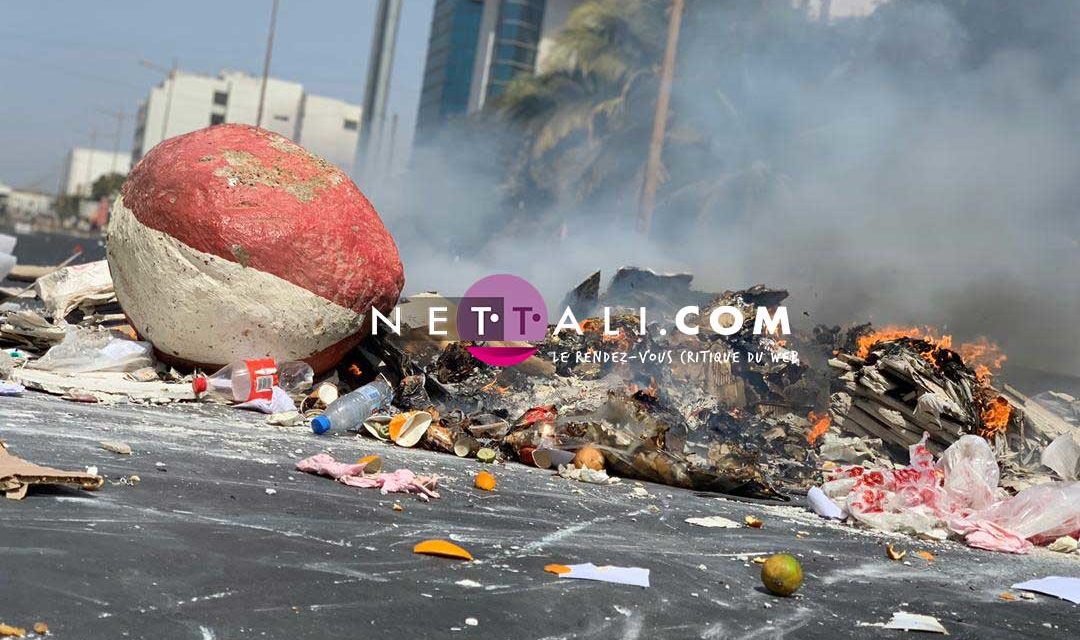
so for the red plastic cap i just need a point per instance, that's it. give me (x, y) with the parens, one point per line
(198, 384)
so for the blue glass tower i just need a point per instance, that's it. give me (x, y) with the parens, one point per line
(452, 46)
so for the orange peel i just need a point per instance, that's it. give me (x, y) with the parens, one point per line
(443, 549)
(485, 481)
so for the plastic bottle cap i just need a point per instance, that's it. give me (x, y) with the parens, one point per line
(320, 424)
(198, 384)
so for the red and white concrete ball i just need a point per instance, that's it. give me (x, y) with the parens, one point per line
(233, 242)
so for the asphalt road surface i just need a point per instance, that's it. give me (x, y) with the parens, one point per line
(199, 549)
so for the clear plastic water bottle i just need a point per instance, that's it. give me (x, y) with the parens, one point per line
(252, 379)
(353, 408)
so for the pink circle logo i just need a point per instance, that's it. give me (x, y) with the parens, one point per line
(502, 308)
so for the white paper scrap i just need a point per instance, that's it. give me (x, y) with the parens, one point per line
(715, 522)
(635, 576)
(915, 622)
(1057, 586)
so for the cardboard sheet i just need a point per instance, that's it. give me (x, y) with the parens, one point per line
(16, 476)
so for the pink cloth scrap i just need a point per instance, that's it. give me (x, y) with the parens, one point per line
(400, 481)
(987, 535)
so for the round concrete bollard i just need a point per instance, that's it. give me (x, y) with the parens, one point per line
(233, 242)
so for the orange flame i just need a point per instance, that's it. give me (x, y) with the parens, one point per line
(983, 355)
(995, 417)
(821, 425)
(895, 332)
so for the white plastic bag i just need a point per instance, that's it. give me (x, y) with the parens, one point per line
(971, 474)
(86, 350)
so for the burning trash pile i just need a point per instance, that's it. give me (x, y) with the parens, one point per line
(897, 384)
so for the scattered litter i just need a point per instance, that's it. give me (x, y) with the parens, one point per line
(116, 447)
(372, 463)
(472, 622)
(634, 576)
(406, 429)
(400, 481)
(353, 409)
(925, 555)
(548, 458)
(589, 457)
(1063, 455)
(249, 380)
(285, 419)
(715, 522)
(80, 286)
(823, 505)
(8, 631)
(1064, 544)
(960, 492)
(89, 350)
(270, 491)
(41, 628)
(443, 549)
(472, 584)
(397, 507)
(485, 454)
(484, 481)
(16, 476)
(1057, 586)
(556, 568)
(279, 402)
(893, 553)
(754, 522)
(11, 389)
(586, 474)
(905, 621)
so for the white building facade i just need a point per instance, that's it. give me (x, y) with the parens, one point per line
(84, 166)
(186, 102)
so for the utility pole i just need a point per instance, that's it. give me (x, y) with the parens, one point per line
(266, 62)
(647, 204)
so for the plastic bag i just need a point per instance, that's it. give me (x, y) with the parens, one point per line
(1041, 513)
(970, 474)
(909, 499)
(1063, 456)
(86, 350)
(960, 493)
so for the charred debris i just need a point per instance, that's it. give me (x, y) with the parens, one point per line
(685, 410)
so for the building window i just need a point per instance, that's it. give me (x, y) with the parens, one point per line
(216, 118)
(221, 98)
(351, 125)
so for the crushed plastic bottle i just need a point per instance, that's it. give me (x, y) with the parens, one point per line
(249, 380)
(351, 409)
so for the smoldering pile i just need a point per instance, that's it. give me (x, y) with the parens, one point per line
(755, 424)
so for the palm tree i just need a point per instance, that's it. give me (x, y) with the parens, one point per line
(581, 120)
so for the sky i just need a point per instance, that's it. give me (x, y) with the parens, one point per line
(65, 64)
